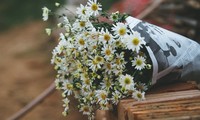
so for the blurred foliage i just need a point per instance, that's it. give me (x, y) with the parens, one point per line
(107, 3)
(14, 12)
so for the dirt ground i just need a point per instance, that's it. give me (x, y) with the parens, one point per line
(25, 71)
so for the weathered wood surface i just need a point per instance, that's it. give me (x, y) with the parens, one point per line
(179, 101)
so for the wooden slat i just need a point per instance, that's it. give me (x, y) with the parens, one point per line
(180, 86)
(166, 115)
(175, 102)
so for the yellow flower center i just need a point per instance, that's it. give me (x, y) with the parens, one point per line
(83, 11)
(117, 43)
(69, 86)
(135, 41)
(94, 47)
(82, 23)
(122, 31)
(103, 96)
(107, 52)
(94, 62)
(138, 62)
(106, 37)
(81, 42)
(91, 94)
(127, 81)
(87, 81)
(94, 7)
(108, 65)
(86, 109)
(118, 61)
(139, 95)
(99, 59)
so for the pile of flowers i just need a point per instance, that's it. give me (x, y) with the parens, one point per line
(98, 62)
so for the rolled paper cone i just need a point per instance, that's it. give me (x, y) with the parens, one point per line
(174, 57)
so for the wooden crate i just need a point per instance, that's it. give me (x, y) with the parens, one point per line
(180, 101)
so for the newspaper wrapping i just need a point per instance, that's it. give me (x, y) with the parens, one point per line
(174, 57)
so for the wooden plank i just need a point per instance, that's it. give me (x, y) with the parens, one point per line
(166, 115)
(180, 86)
(166, 105)
(173, 103)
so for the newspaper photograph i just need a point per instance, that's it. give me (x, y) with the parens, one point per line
(174, 57)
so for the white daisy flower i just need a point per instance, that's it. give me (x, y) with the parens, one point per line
(126, 81)
(107, 82)
(120, 30)
(80, 25)
(106, 37)
(93, 42)
(94, 7)
(119, 64)
(84, 75)
(45, 13)
(81, 42)
(87, 83)
(139, 62)
(86, 109)
(93, 48)
(135, 41)
(119, 44)
(115, 97)
(67, 87)
(89, 96)
(83, 12)
(104, 106)
(99, 59)
(142, 86)
(108, 52)
(138, 95)
(108, 66)
(102, 96)
(95, 63)
(85, 90)
(93, 36)
(119, 61)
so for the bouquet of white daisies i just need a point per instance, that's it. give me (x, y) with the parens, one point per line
(98, 59)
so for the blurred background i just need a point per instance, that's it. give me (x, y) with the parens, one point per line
(25, 49)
